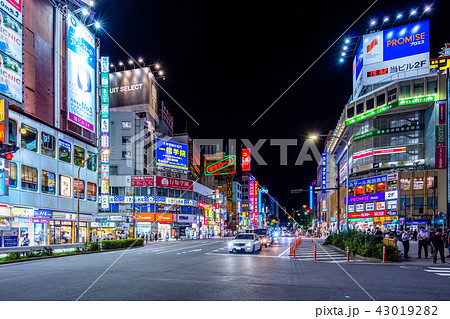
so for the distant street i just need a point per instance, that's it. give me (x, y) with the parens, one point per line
(204, 270)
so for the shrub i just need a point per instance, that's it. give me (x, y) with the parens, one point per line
(115, 244)
(13, 256)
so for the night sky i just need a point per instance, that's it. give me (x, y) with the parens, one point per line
(227, 61)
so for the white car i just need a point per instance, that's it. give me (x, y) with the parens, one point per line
(246, 243)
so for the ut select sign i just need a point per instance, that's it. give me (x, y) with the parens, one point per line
(399, 52)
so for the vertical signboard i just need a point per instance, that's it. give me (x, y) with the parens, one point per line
(104, 131)
(441, 136)
(246, 160)
(311, 196)
(251, 198)
(256, 203)
(324, 172)
(80, 74)
(3, 121)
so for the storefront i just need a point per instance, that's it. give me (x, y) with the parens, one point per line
(63, 228)
(103, 231)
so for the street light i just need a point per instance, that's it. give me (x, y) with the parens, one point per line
(314, 137)
(78, 190)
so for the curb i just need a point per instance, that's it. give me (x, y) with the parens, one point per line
(57, 256)
(362, 257)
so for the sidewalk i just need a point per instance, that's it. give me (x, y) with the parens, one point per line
(414, 253)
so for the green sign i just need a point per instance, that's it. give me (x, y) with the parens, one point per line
(370, 114)
(440, 133)
(220, 164)
(407, 128)
(416, 100)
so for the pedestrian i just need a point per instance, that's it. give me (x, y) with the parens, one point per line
(437, 242)
(423, 242)
(405, 241)
(430, 235)
(448, 242)
(378, 232)
(26, 241)
(146, 238)
(415, 235)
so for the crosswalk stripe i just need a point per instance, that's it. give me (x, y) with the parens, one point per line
(444, 274)
(435, 270)
(440, 268)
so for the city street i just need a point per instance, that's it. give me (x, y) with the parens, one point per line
(204, 270)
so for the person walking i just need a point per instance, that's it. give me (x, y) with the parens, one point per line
(423, 242)
(26, 241)
(437, 242)
(405, 242)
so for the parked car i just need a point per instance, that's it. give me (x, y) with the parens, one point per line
(246, 243)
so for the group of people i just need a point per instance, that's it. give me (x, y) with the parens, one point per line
(437, 239)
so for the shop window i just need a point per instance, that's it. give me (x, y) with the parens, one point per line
(78, 156)
(48, 146)
(418, 89)
(126, 125)
(77, 186)
(405, 91)
(92, 163)
(12, 130)
(369, 189)
(29, 178)
(12, 174)
(381, 99)
(28, 138)
(430, 182)
(405, 184)
(392, 185)
(381, 187)
(360, 108)
(64, 149)
(48, 182)
(350, 112)
(126, 139)
(431, 87)
(418, 202)
(91, 191)
(370, 104)
(359, 190)
(113, 169)
(418, 183)
(65, 186)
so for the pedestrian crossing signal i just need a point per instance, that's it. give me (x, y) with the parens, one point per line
(7, 150)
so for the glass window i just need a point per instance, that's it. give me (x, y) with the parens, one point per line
(370, 104)
(369, 189)
(48, 146)
(432, 87)
(392, 95)
(381, 99)
(430, 202)
(92, 163)
(360, 108)
(418, 183)
(405, 91)
(359, 190)
(402, 202)
(126, 139)
(126, 154)
(12, 130)
(78, 156)
(430, 182)
(418, 202)
(77, 185)
(350, 112)
(126, 125)
(65, 186)
(91, 191)
(392, 185)
(12, 174)
(381, 187)
(64, 151)
(418, 89)
(48, 182)
(405, 184)
(29, 177)
(28, 138)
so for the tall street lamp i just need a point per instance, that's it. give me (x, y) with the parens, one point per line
(314, 137)
(78, 191)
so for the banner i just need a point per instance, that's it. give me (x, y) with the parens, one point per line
(10, 78)
(80, 74)
(13, 8)
(10, 37)
(174, 183)
(441, 136)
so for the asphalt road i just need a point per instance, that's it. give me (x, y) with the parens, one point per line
(204, 270)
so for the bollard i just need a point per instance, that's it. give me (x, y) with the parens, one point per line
(348, 254)
(384, 254)
(294, 253)
(290, 249)
(315, 256)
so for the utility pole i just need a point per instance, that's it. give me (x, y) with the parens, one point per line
(434, 204)
(404, 217)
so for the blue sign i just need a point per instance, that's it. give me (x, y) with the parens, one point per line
(41, 213)
(368, 181)
(311, 196)
(324, 172)
(171, 155)
(406, 40)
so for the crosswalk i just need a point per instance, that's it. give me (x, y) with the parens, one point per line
(440, 271)
(305, 252)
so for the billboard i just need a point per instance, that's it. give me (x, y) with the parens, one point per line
(10, 37)
(175, 183)
(220, 164)
(80, 74)
(10, 78)
(13, 8)
(132, 87)
(171, 155)
(392, 54)
(246, 159)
